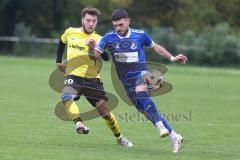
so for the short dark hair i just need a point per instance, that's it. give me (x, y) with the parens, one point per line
(119, 14)
(91, 11)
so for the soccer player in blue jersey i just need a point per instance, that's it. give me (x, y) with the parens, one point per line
(127, 49)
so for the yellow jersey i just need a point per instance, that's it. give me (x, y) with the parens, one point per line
(79, 62)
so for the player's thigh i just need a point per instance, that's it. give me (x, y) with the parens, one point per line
(132, 91)
(70, 90)
(69, 93)
(140, 84)
(94, 92)
(73, 86)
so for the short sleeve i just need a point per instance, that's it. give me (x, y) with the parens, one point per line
(147, 41)
(98, 38)
(64, 36)
(103, 42)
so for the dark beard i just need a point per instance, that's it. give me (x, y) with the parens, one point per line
(124, 33)
(85, 31)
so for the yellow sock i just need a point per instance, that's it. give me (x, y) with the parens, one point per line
(113, 125)
(72, 110)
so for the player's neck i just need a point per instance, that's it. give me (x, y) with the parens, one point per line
(126, 35)
(84, 31)
(126, 32)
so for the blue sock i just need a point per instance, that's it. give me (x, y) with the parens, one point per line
(145, 105)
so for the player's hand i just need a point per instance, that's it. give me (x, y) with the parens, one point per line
(61, 67)
(181, 58)
(91, 43)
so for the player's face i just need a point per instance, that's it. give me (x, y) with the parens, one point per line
(89, 23)
(121, 26)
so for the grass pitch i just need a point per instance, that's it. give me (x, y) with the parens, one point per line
(203, 107)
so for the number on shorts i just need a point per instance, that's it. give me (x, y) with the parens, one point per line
(68, 81)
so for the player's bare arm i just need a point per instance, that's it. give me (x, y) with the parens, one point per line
(91, 43)
(61, 67)
(97, 53)
(103, 55)
(163, 52)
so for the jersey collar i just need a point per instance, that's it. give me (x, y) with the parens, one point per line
(127, 35)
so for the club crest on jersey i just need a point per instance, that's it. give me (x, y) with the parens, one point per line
(126, 44)
(133, 46)
(116, 46)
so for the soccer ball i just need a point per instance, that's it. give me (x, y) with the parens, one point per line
(153, 79)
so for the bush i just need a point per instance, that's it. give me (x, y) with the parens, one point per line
(28, 47)
(214, 46)
(164, 36)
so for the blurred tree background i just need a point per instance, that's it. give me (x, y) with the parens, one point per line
(207, 31)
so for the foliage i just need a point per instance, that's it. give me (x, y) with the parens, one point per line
(217, 45)
(207, 31)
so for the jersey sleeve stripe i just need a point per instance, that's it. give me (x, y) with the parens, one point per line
(99, 49)
(151, 45)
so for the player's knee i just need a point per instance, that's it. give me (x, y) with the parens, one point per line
(67, 97)
(141, 88)
(101, 103)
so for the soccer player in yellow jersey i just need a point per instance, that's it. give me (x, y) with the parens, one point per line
(82, 74)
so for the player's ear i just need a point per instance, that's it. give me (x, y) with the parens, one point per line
(128, 21)
(82, 21)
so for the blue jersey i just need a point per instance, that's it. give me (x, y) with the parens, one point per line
(127, 52)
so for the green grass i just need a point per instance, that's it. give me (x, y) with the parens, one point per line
(30, 130)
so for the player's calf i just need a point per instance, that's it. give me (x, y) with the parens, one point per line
(145, 105)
